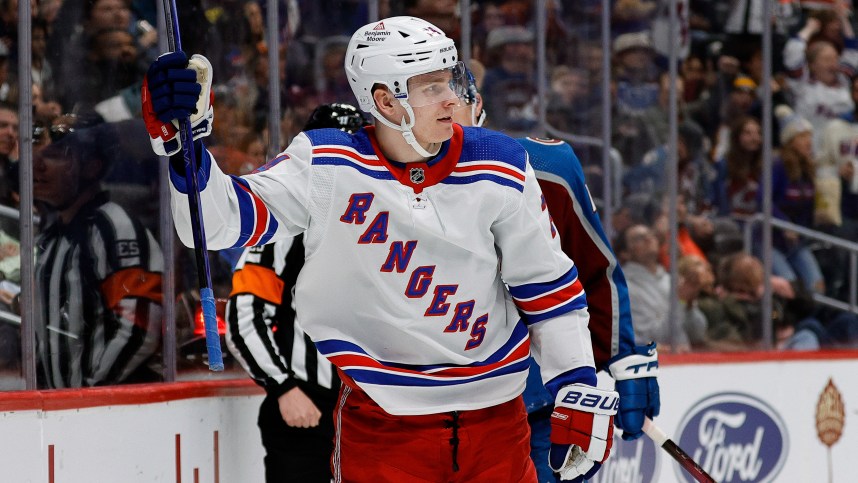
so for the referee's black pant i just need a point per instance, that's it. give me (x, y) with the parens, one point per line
(299, 455)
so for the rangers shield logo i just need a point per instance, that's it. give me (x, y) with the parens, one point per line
(417, 175)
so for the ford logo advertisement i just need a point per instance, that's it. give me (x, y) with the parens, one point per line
(630, 462)
(735, 438)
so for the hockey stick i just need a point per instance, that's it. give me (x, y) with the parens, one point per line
(207, 301)
(660, 438)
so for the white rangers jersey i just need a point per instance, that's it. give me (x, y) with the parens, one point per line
(424, 283)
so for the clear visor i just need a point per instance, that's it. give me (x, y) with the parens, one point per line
(450, 84)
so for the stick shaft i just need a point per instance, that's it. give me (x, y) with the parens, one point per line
(685, 461)
(207, 301)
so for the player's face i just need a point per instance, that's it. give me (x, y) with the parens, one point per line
(435, 97)
(434, 123)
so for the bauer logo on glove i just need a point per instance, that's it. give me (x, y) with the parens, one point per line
(582, 430)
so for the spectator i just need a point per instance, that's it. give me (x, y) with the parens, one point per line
(793, 198)
(70, 45)
(694, 172)
(44, 110)
(734, 315)
(42, 72)
(819, 77)
(689, 228)
(649, 291)
(635, 72)
(838, 163)
(8, 89)
(632, 15)
(510, 85)
(98, 271)
(8, 159)
(112, 64)
(739, 103)
(734, 191)
(695, 281)
(653, 123)
(570, 105)
(488, 17)
(333, 86)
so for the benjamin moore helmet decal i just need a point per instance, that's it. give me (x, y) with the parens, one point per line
(735, 437)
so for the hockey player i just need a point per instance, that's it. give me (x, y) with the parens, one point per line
(576, 222)
(296, 417)
(413, 231)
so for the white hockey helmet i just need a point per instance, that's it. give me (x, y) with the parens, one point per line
(391, 51)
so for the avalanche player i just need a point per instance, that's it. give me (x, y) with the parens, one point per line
(576, 222)
(413, 232)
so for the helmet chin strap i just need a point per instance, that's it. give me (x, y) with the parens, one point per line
(405, 129)
(477, 121)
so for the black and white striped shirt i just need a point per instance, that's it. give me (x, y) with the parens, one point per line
(98, 298)
(261, 329)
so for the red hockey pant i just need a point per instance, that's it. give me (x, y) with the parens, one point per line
(484, 445)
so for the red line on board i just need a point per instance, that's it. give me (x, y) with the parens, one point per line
(50, 463)
(178, 458)
(196, 475)
(216, 458)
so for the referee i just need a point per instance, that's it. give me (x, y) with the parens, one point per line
(296, 416)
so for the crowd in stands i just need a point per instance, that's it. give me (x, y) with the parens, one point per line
(89, 59)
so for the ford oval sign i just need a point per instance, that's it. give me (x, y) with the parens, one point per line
(630, 462)
(735, 438)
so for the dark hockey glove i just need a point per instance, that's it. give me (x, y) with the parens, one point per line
(636, 376)
(582, 431)
(175, 88)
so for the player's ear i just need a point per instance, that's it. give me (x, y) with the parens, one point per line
(384, 100)
(479, 103)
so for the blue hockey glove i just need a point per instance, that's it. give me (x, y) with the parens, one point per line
(582, 431)
(636, 375)
(176, 88)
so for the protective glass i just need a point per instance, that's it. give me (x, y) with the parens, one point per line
(438, 86)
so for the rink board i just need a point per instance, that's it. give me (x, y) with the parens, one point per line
(746, 418)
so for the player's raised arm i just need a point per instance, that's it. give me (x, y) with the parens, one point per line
(236, 210)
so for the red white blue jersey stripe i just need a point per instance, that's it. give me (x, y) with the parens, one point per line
(479, 170)
(512, 357)
(338, 155)
(257, 223)
(541, 301)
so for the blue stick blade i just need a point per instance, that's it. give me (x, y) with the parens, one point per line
(212, 337)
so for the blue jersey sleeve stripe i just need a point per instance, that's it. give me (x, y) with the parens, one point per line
(484, 177)
(272, 228)
(534, 290)
(332, 161)
(570, 306)
(247, 211)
